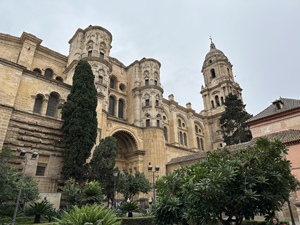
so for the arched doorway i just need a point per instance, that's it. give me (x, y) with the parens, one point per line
(128, 155)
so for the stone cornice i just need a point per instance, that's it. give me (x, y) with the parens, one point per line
(219, 84)
(116, 61)
(143, 60)
(148, 87)
(30, 37)
(52, 53)
(135, 153)
(7, 37)
(89, 58)
(181, 148)
(112, 90)
(12, 64)
(90, 28)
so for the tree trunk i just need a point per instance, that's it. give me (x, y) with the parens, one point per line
(130, 214)
(37, 218)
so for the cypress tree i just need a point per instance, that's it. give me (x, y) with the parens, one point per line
(80, 123)
(235, 130)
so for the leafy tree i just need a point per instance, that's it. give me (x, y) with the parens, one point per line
(241, 184)
(103, 163)
(38, 209)
(130, 185)
(93, 192)
(5, 155)
(80, 123)
(95, 214)
(72, 192)
(233, 121)
(30, 191)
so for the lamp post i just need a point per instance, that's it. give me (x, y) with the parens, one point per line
(150, 170)
(115, 173)
(22, 154)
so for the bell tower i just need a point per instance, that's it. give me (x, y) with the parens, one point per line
(219, 82)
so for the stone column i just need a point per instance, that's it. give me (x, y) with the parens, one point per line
(44, 105)
(137, 108)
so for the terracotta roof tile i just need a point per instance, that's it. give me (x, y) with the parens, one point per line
(288, 104)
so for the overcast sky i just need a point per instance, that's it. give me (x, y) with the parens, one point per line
(260, 38)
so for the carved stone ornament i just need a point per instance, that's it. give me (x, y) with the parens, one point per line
(109, 125)
(190, 116)
(146, 96)
(89, 45)
(155, 75)
(215, 92)
(140, 134)
(146, 74)
(172, 108)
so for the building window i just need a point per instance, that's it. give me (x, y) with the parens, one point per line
(59, 79)
(198, 143)
(90, 53)
(112, 83)
(111, 107)
(180, 138)
(121, 109)
(49, 73)
(179, 122)
(147, 102)
(157, 123)
(221, 145)
(155, 82)
(184, 139)
(52, 105)
(102, 55)
(222, 100)
(164, 117)
(40, 170)
(213, 73)
(212, 104)
(166, 133)
(36, 70)
(148, 123)
(183, 125)
(217, 100)
(228, 71)
(38, 104)
(146, 82)
(196, 128)
(100, 79)
(156, 103)
(201, 144)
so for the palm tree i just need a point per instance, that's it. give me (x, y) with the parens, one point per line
(129, 207)
(38, 209)
(95, 214)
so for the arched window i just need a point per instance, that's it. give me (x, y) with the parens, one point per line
(184, 139)
(36, 70)
(112, 83)
(198, 143)
(217, 100)
(212, 104)
(111, 106)
(179, 122)
(38, 104)
(166, 133)
(121, 109)
(49, 73)
(180, 138)
(222, 100)
(100, 79)
(156, 103)
(59, 79)
(157, 123)
(147, 102)
(146, 82)
(201, 144)
(148, 123)
(213, 73)
(196, 128)
(155, 82)
(52, 105)
(102, 55)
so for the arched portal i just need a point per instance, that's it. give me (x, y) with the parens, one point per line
(129, 157)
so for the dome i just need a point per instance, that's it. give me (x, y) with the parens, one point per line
(213, 52)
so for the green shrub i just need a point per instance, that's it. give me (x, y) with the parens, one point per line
(21, 220)
(129, 207)
(39, 209)
(262, 222)
(8, 211)
(95, 214)
(136, 220)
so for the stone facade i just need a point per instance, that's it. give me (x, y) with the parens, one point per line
(34, 80)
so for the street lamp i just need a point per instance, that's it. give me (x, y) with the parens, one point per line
(150, 170)
(22, 154)
(115, 173)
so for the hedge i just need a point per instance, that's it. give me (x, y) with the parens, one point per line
(21, 220)
(136, 220)
(262, 222)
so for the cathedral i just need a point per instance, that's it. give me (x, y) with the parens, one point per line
(149, 128)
